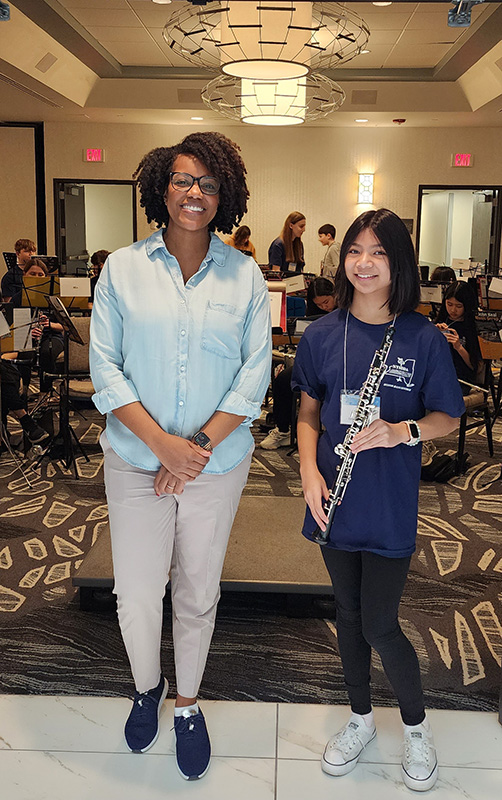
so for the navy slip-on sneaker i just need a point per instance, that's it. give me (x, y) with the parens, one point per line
(193, 748)
(142, 726)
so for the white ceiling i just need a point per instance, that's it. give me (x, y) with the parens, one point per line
(416, 64)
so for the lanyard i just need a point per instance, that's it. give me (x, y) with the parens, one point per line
(345, 348)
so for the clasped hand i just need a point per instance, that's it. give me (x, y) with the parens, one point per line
(182, 461)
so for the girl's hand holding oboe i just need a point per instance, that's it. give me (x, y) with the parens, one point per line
(380, 434)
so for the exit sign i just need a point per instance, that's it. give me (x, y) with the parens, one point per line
(462, 159)
(93, 154)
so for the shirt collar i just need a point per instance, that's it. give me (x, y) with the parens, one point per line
(217, 250)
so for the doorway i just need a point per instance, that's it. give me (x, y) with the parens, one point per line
(459, 227)
(92, 215)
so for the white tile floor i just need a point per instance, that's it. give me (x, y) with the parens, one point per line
(55, 748)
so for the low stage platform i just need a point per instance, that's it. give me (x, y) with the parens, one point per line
(266, 553)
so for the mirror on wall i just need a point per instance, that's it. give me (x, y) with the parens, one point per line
(90, 216)
(459, 227)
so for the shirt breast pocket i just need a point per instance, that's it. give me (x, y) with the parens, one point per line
(222, 329)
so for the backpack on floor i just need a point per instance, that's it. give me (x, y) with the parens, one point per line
(442, 468)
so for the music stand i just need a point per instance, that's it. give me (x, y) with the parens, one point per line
(10, 259)
(35, 290)
(66, 435)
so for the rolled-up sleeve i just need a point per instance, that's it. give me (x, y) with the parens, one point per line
(112, 388)
(248, 388)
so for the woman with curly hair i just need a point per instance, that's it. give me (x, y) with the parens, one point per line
(285, 254)
(180, 360)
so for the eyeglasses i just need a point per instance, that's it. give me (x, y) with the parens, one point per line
(182, 182)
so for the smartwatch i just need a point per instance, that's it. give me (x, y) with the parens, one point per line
(203, 441)
(414, 431)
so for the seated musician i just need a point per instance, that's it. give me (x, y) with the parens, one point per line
(456, 319)
(12, 281)
(49, 334)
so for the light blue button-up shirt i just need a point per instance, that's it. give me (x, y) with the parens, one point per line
(183, 350)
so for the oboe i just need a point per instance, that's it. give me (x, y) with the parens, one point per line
(362, 418)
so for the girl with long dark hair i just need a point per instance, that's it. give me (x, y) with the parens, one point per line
(373, 533)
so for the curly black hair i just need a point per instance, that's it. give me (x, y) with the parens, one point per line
(220, 156)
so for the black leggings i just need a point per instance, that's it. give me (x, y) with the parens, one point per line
(283, 399)
(368, 591)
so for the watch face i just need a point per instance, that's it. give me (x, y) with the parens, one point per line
(414, 431)
(202, 440)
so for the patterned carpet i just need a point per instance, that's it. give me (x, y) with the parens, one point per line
(451, 609)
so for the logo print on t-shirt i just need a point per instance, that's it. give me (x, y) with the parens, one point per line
(401, 373)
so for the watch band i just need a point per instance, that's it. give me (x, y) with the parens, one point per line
(414, 431)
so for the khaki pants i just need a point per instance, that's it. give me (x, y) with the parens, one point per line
(183, 537)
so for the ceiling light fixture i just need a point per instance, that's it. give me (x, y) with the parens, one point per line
(197, 119)
(361, 120)
(273, 102)
(265, 40)
(383, 4)
(162, 2)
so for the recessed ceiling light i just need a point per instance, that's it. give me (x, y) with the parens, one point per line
(361, 120)
(382, 4)
(197, 119)
(162, 2)
(363, 52)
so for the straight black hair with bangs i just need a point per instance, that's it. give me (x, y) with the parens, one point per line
(395, 239)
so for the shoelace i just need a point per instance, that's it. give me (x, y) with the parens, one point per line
(416, 749)
(189, 725)
(346, 739)
(143, 701)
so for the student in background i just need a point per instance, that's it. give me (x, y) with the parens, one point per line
(443, 275)
(35, 268)
(457, 321)
(241, 241)
(285, 254)
(329, 263)
(12, 281)
(49, 334)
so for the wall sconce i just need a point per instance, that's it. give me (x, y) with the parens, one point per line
(365, 188)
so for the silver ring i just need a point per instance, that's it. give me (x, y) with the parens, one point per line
(169, 487)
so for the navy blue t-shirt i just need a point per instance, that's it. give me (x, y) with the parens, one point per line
(379, 510)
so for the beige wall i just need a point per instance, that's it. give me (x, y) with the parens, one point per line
(18, 218)
(312, 170)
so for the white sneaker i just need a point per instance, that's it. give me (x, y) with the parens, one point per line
(275, 439)
(344, 748)
(419, 765)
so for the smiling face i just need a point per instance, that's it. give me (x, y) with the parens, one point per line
(297, 228)
(190, 210)
(454, 309)
(367, 267)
